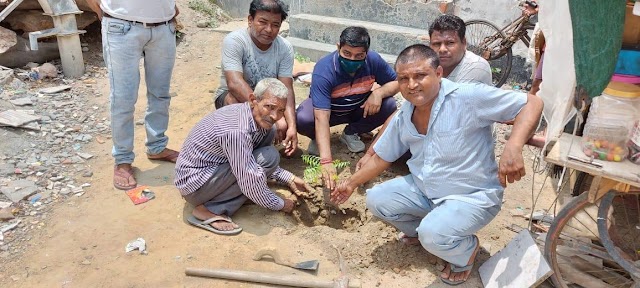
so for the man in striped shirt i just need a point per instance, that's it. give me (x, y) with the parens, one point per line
(228, 157)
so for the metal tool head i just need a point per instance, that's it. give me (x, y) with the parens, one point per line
(307, 265)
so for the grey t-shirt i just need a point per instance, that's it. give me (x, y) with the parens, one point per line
(472, 68)
(239, 53)
(141, 11)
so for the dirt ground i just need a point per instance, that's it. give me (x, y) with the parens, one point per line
(82, 243)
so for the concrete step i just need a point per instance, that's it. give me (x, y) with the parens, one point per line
(385, 38)
(417, 14)
(316, 50)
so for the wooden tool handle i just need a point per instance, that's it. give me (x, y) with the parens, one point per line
(273, 254)
(267, 278)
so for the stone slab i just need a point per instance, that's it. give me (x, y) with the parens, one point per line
(7, 169)
(53, 90)
(520, 264)
(21, 101)
(19, 189)
(16, 118)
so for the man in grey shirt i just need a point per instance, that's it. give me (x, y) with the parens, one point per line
(257, 52)
(447, 38)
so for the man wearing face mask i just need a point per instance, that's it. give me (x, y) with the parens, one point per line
(341, 93)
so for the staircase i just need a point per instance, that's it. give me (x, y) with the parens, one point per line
(315, 26)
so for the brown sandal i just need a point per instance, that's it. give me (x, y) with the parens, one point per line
(123, 174)
(168, 155)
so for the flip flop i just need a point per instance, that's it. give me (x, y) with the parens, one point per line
(126, 174)
(172, 156)
(458, 269)
(204, 224)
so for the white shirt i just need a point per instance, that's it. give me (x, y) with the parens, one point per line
(141, 11)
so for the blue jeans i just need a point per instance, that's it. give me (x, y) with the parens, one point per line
(124, 44)
(445, 230)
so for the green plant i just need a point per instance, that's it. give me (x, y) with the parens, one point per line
(313, 171)
(301, 58)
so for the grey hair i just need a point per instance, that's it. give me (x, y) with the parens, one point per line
(274, 86)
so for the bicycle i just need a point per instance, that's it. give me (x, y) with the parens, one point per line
(493, 44)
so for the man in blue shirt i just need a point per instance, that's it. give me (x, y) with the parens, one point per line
(455, 186)
(341, 92)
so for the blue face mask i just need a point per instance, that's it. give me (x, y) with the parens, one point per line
(350, 66)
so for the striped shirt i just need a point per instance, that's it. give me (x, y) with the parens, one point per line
(455, 159)
(228, 135)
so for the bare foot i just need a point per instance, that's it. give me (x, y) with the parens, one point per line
(464, 275)
(202, 213)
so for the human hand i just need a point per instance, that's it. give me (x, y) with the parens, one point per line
(342, 193)
(288, 206)
(529, 9)
(363, 161)
(299, 187)
(281, 131)
(290, 141)
(329, 175)
(511, 165)
(373, 103)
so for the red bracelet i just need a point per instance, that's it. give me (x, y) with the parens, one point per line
(325, 161)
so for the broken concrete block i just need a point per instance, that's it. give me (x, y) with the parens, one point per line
(56, 89)
(8, 39)
(19, 189)
(519, 264)
(16, 118)
(21, 101)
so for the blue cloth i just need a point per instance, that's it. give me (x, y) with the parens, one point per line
(455, 159)
(334, 89)
(124, 43)
(444, 229)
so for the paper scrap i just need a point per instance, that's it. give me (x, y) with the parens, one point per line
(140, 194)
(138, 244)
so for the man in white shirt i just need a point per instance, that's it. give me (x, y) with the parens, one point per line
(132, 30)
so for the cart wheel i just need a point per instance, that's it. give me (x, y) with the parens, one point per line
(583, 182)
(484, 39)
(619, 227)
(573, 251)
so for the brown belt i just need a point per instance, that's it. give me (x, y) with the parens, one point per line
(140, 23)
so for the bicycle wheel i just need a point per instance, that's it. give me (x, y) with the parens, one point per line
(483, 39)
(573, 251)
(619, 227)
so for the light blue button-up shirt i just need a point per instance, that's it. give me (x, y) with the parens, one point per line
(455, 159)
